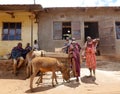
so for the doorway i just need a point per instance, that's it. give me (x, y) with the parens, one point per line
(91, 29)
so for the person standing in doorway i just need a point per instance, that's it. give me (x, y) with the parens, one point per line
(89, 53)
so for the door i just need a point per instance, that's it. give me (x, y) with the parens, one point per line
(91, 29)
(107, 36)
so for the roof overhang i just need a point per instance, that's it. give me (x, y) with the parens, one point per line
(21, 8)
(115, 8)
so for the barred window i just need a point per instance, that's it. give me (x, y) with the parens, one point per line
(11, 31)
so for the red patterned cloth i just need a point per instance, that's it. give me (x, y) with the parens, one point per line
(90, 55)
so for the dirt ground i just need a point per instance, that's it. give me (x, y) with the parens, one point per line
(107, 82)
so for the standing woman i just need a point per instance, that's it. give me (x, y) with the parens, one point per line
(74, 54)
(89, 53)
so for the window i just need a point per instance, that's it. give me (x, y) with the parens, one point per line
(62, 30)
(66, 30)
(11, 31)
(117, 24)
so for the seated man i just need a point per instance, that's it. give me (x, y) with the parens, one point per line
(17, 54)
(27, 49)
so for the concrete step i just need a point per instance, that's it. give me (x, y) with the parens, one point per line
(114, 58)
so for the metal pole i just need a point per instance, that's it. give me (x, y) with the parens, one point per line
(34, 2)
(38, 34)
(31, 31)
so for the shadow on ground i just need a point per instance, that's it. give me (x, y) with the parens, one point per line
(46, 86)
(40, 89)
(88, 79)
(72, 84)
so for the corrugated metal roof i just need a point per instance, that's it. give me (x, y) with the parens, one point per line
(16, 7)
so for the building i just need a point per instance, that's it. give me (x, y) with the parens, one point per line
(79, 22)
(51, 26)
(17, 24)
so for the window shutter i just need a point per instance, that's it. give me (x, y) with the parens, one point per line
(57, 30)
(76, 33)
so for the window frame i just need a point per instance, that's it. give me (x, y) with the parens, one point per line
(75, 30)
(117, 29)
(13, 31)
(60, 29)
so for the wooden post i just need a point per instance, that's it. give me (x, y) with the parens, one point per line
(31, 18)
